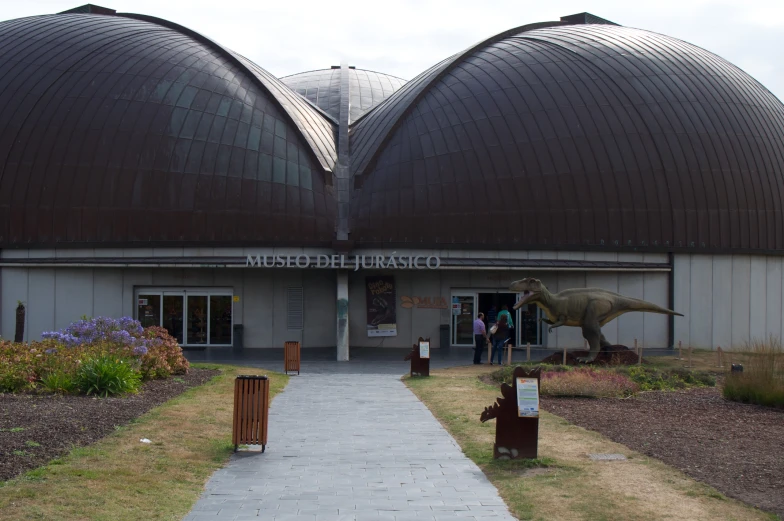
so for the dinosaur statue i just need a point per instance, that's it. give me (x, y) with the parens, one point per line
(586, 308)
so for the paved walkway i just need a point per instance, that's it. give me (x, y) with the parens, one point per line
(351, 447)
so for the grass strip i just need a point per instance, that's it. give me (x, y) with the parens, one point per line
(564, 484)
(119, 478)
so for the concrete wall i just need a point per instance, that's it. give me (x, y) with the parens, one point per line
(727, 299)
(57, 297)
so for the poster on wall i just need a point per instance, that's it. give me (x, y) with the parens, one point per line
(380, 299)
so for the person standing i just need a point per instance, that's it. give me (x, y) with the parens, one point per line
(505, 312)
(480, 337)
(491, 316)
(499, 338)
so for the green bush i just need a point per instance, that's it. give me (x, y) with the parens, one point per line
(108, 375)
(762, 380)
(52, 364)
(59, 381)
(654, 379)
(646, 378)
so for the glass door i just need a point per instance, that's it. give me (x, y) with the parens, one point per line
(173, 315)
(197, 327)
(148, 309)
(202, 316)
(463, 315)
(529, 328)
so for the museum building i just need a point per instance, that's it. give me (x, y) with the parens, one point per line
(147, 171)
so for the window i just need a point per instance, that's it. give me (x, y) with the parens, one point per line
(193, 316)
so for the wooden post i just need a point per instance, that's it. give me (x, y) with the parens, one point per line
(489, 352)
(639, 356)
(564, 357)
(680, 354)
(528, 352)
(509, 354)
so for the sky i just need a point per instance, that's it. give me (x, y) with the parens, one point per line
(405, 37)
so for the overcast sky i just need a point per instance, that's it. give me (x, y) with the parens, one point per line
(404, 37)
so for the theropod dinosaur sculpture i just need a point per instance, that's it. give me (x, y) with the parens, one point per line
(586, 308)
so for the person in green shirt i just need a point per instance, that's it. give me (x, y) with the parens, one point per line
(505, 311)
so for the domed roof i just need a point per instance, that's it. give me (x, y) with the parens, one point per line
(574, 136)
(322, 87)
(129, 129)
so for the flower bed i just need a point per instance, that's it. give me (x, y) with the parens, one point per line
(587, 382)
(598, 382)
(92, 356)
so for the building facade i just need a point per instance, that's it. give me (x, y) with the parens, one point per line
(149, 172)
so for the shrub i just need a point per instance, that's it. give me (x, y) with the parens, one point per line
(107, 375)
(124, 331)
(587, 382)
(59, 381)
(654, 379)
(762, 379)
(163, 357)
(56, 363)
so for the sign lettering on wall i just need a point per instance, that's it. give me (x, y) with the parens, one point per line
(423, 302)
(381, 309)
(357, 262)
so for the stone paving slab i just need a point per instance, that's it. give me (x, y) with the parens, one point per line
(351, 447)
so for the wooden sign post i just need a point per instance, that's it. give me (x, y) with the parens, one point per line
(528, 352)
(517, 416)
(509, 354)
(420, 357)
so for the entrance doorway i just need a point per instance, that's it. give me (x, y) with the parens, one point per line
(194, 317)
(466, 305)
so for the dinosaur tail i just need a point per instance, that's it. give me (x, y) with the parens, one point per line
(647, 307)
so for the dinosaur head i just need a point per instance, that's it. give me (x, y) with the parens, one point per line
(531, 290)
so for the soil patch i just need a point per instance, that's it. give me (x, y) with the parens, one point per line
(35, 429)
(731, 446)
(607, 355)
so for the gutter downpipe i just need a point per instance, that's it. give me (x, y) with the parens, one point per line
(671, 301)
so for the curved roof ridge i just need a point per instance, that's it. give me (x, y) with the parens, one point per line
(314, 127)
(355, 68)
(375, 127)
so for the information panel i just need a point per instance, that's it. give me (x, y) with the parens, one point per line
(527, 397)
(424, 350)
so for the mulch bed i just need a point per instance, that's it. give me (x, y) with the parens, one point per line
(607, 355)
(734, 447)
(51, 425)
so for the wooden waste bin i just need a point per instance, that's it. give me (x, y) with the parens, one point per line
(291, 354)
(251, 410)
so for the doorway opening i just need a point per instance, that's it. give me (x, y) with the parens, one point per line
(466, 305)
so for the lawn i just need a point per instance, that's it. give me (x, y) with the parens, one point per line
(119, 478)
(565, 483)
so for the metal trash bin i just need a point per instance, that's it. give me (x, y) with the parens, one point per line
(238, 341)
(444, 336)
(251, 411)
(291, 357)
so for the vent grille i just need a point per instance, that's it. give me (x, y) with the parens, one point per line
(295, 304)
